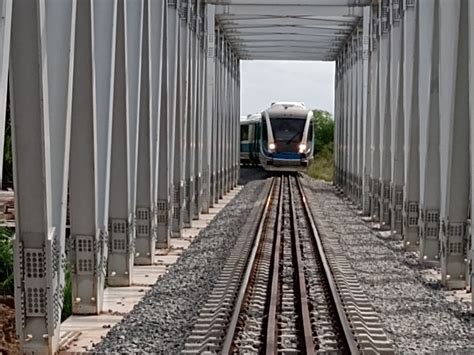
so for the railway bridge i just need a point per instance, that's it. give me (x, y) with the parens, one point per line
(127, 111)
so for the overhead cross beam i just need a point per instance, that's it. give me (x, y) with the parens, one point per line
(288, 10)
(273, 26)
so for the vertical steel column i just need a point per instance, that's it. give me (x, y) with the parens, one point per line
(217, 144)
(341, 115)
(412, 131)
(348, 120)
(375, 113)
(191, 118)
(340, 105)
(471, 108)
(428, 95)
(360, 119)
(344, 109)
(228, 107)
(352, 156)
(5, 33)
(454, 142)
(220, 117)
(146, 235)
(337, 124)
(223, 116)
(209, 94)
(41, 73)
(356, 116)
(237, 121)
(123, 162)
(396, 117)
(234, 133)
(345, 114)
(359, 123)
(199, 110)
(230, 163)
(385, 121)
(227, 132)
(89, 179)
(152, 213)
(366, 115)
(172, 48)
(161, 60)
(181, 120)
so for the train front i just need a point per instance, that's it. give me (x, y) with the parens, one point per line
(287, 138)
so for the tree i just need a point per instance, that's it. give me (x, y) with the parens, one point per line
(323, 130)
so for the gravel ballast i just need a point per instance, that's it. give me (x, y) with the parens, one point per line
(164, 318)
(414, 312)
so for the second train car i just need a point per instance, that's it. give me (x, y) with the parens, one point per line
(250, 139)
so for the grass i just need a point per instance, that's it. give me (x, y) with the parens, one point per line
(322, 167)
(7, 286)
(67, 301)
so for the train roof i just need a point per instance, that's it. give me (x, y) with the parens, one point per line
(253, 117)
(289, 104)
(293, 111)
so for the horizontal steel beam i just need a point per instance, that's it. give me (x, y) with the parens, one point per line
(250, 36)
(283, 49)
(290, 40)
(289, 57)
(273, 28)
(286, 20)
(263, 46)
(289, 10)
(350, 3)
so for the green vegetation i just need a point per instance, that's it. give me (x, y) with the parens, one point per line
(8, 155)
(322, 166)
(7, 286)
(6, 261)
(67, 300)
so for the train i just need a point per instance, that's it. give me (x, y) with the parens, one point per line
(250, 139)
(279, 139)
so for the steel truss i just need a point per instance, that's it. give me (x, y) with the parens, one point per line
(405, 159)
(115, 109)
(128, 112)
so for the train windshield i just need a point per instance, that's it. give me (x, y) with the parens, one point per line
(287, 130)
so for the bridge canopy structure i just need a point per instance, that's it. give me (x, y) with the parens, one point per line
(127, 113)
(288, 30)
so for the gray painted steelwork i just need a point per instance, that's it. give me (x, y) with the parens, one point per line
(415, 137)
(133, 107)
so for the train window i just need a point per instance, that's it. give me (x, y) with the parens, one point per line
(264, 133)
(288, 130)
(244, 132)
(310, 132)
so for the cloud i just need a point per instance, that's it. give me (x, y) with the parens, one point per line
(263, 82)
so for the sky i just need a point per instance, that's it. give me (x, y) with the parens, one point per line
(263, 82)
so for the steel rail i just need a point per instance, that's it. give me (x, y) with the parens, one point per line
(231, 330)
(349, 338)
(301, 281)
(272, 326)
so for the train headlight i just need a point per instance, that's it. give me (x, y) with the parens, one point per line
(302, 148)
(272, 146)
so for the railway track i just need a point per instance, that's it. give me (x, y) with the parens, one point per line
(289, 296)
